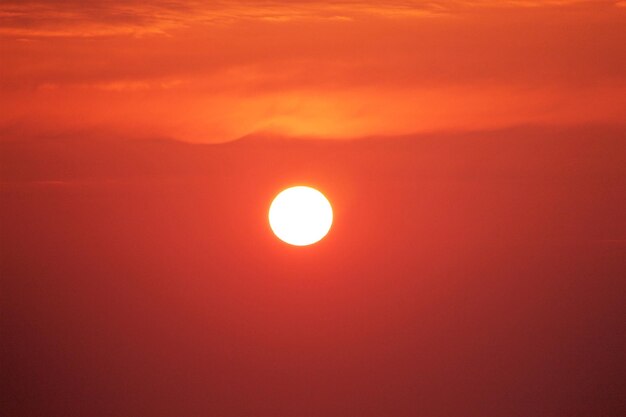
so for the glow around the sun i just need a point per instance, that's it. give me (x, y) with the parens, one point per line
(300, 216)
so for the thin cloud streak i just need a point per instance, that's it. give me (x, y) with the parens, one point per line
(37, 19)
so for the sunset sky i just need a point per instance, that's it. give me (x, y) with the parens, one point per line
(474, 153)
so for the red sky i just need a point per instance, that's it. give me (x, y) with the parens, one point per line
(474, 153)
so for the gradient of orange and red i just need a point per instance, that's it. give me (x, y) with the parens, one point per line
(474, 152)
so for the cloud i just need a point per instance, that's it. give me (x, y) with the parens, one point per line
(79, 19)
(217, 72)
(68, 18)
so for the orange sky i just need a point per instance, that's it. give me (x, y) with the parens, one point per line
(216, 71)
(476, 261)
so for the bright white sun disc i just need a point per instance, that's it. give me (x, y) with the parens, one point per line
(300, 216)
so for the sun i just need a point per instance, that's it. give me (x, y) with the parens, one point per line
(300, 216)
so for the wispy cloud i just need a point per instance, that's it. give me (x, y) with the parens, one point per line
(71, 18)
(218, 70)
